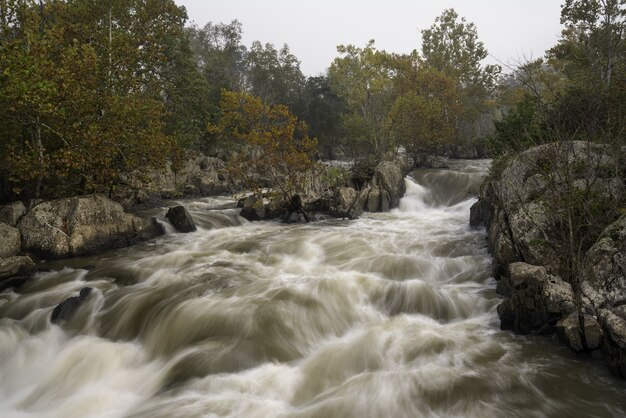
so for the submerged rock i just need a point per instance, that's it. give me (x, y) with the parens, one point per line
(181, 219)
(82, 225)
(64, 310)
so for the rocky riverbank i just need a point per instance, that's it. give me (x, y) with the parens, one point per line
(552, 215)
(90, 224)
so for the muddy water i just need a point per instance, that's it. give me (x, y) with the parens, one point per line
(391, 315)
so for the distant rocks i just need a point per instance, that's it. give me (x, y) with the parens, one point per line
(378, 191)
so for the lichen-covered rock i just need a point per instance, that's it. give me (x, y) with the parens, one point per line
(538, 299)
(11, 213)
(344, 200)
(614, 346)
(579, 334)
(604, 270)
(388, 176)
(253, 208)
(16, 266)
(10, 242)
(181, 219)
(82, 225)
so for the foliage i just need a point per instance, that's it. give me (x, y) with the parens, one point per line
(363, 78)
(451, 46)
(270, 141)
(81, 93)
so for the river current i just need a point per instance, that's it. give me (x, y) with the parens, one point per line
(390, 315)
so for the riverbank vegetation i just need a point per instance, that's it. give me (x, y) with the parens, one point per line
(91, 91)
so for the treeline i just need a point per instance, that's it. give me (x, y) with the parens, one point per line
(92, 90)
(577, 91)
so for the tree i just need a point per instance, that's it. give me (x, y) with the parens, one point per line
(363, 78)
(322, 109)
(451, 46)
(593, 36)
(270, 142)
(274, 75)
(82, 92)
(423, 116)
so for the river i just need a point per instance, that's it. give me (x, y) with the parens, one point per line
(390, 315)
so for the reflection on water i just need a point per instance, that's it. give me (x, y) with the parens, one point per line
(391, 315)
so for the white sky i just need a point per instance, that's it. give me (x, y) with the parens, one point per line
(510, 29)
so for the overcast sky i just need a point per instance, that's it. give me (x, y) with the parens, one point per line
(510, 29)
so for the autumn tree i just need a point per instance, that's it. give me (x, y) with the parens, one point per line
(270, 144)
(82, 92)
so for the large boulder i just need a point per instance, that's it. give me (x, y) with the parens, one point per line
(579, 332)
(538, 300)
(181, 219)
(343, 202)
(389, 177)
(614, 347)
(16, 266)
(10, 243)
(604, 270)
(82, 225)
(520, 199)
(11, 213)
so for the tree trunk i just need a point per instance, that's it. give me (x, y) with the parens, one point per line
(40, 157)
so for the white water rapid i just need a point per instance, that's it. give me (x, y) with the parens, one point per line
(391, 315)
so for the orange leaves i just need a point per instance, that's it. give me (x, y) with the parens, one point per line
(272, 147)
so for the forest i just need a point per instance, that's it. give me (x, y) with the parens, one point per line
(91, 90)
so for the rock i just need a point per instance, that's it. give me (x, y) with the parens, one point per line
(527, 184)
(476, 214)
(570, 332)
(604, 268)
(181, 219)
(388, 176)
(538, 300)
(82, 225)
(344, 199)
(10, 243)
(373, 200)
(64, 310)
(12, 213)
(253, 208)
(614, 346)
(16, 266)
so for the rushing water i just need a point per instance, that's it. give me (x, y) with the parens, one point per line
(391, 315)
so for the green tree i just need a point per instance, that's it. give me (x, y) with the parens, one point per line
(363, 78)
(274, 75)
(451, 46)
(82, 92)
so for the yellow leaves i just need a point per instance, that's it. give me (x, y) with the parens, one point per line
(271, 142)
